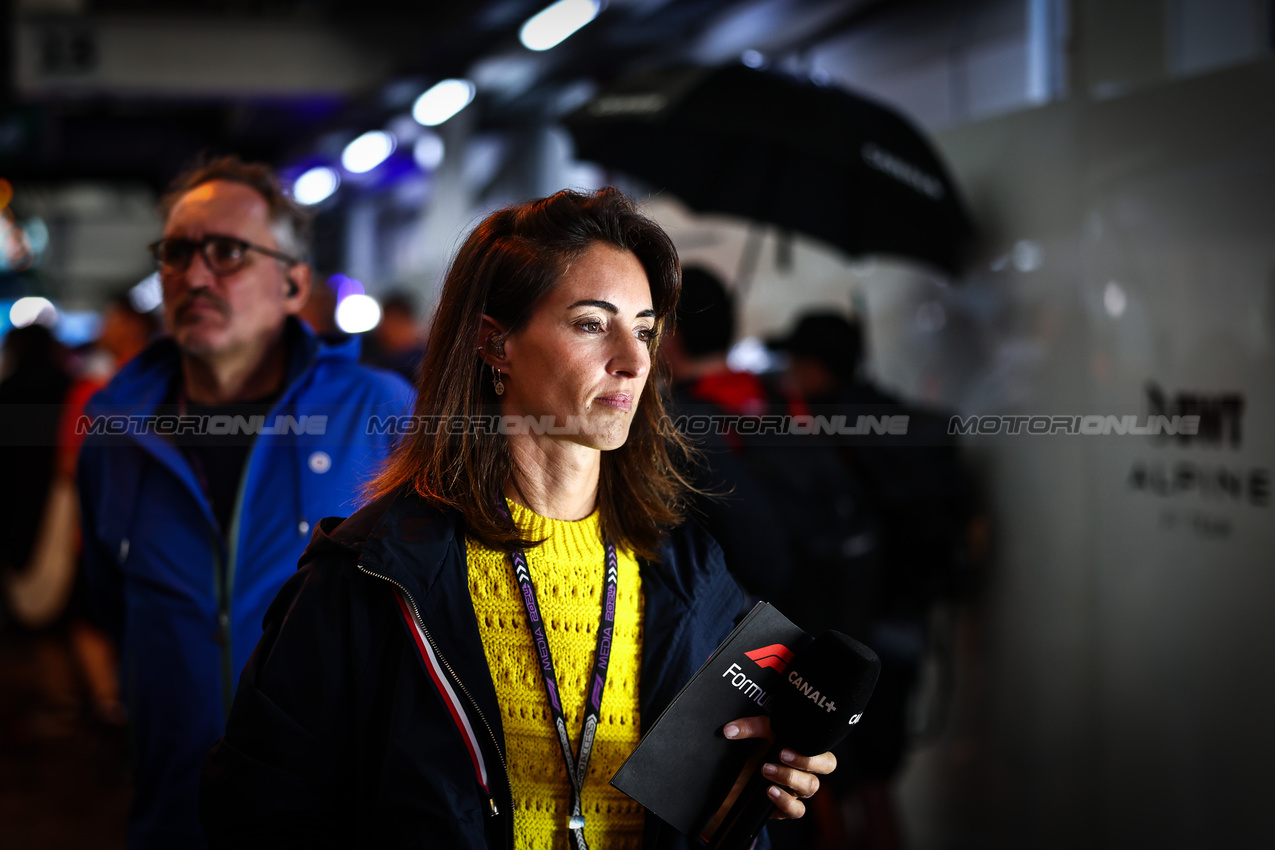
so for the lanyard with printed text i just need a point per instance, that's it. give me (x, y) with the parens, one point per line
(596, 680)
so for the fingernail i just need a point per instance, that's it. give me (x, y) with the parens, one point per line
(731, 730)
(788, 755)
(774, 792)
(769, 769)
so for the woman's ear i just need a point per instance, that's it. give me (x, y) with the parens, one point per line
(491, 343)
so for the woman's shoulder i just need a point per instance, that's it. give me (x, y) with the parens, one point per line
(396, 517)
(389, 537)
(690, 558)
(691, 546)
(342, 598)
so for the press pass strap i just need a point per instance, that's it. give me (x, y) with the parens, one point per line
(596, 681)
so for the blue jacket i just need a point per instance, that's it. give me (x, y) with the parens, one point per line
(367, 716)
(185, 605)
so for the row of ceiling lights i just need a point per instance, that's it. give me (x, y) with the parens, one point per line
(356, 311)
(542, 31)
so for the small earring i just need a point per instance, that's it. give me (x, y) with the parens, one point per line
(498, 383)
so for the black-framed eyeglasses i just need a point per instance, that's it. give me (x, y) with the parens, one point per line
(224, 255)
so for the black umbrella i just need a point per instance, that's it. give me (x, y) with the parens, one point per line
(774, 148)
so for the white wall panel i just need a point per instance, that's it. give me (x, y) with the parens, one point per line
(1130, 631)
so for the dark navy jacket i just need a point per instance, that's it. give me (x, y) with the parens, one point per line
(352, 722)
(184, 603)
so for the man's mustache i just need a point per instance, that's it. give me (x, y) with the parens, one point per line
(201, 296)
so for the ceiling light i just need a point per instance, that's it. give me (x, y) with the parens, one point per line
(551, 26)
(345, 286)
(356, 314)
(367, 151)
(147, 294)
(33, 310)
(442, 101)
(428, 151)
(315, 186)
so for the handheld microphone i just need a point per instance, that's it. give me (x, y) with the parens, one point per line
(826, 689)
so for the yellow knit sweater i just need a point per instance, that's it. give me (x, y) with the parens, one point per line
(568, 573)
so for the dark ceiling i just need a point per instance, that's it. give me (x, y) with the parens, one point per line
(103, 134)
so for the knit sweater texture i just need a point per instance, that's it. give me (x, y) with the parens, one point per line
(568, 571)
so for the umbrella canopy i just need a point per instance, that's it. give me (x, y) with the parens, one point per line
(774, 148)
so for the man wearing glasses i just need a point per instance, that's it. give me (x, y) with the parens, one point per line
(209, 458)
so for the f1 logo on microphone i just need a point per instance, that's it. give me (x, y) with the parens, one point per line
(776, 656)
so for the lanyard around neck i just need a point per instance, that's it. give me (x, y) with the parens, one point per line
(596, 682)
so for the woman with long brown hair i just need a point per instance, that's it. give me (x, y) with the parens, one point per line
(468, 659)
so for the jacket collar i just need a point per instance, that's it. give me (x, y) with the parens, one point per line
(400, 538)
(396, 536)
(146, 381)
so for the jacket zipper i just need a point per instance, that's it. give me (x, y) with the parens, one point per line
(222, 631)
(228, 569)
(493, 811)
(230, 565)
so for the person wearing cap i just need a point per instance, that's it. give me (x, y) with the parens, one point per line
(397, 342)
(825, 351)
(189, 534)
(731, 499)
(913, 485)
(780, 503)
(788, 514)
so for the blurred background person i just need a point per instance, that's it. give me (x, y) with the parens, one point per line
(915, 480)
(319, 312)
(33, 388)
(797, 530)
(791, 515)
(51, 589)
(188, 536)
(922, 507)
(125, 332)
(35, 570)
(737, 509)
(397, 343)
